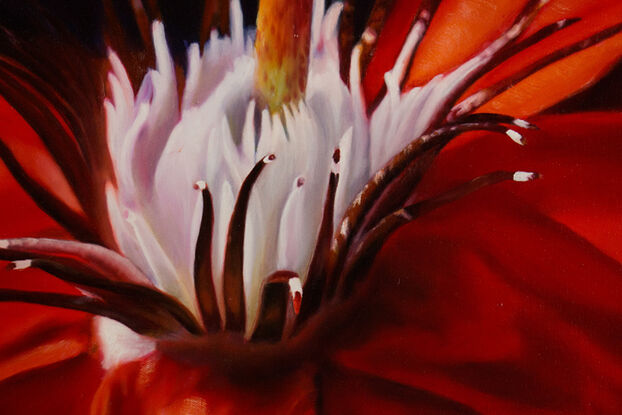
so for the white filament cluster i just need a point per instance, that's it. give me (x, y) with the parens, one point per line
(163, 144)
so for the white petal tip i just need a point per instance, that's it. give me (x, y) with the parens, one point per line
(4, 243)
(22, 264)
(525, 176)
(516, 137)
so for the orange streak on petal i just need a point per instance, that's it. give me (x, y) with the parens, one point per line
(557, 81)
(459, 29)
(42, 355)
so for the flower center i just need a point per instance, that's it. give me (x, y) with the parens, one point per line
(248, 210)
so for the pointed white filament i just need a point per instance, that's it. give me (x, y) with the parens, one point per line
(165, 147)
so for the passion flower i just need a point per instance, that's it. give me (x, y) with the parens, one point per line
(249, 197)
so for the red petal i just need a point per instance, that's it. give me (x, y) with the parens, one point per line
(493, 304)
(580, 157)
(31, 153)
(159, 385)
(65, 388)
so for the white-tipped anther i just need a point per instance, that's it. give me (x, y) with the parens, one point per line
(524, 176)
(369, 36)
(516, 137)
(295, 290)
(22, 264)
(295, 286)
(269, 158)
(200, 185)
(521, 123)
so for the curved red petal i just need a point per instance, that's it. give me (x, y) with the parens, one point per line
(64, 388)
(493, 303)
(580, 158)
(32, 155)
(159, 385)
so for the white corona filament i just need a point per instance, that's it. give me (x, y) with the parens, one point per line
(164, 147)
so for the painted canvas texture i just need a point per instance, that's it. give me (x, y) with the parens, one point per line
(310, 207)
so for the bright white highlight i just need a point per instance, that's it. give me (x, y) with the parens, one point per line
(22, 264)
(524, 176)
(516, 137)
(118, 344)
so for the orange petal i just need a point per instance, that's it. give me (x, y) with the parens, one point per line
(459, 29)
(563, 78)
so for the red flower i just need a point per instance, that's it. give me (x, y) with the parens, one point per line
(504, 301)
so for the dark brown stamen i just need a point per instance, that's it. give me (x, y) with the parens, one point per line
(80, 303)
(107, 262)
(373, 241)
(203, 281)
(367, 198)
(128, 298)
(273, 308)
(316, 277)
(233, 283)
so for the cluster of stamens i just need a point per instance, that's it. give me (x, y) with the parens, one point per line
(116, 288)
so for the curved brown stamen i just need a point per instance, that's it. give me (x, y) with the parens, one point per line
(141, 300)
(373, 241)
(203, 281)
(79, 303)
(481, 97)
(105, 261)
(367, 198)
(274, 306)
(233, 283)
(316, 277)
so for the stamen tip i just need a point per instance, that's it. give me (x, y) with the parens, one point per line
(523, 124)
(516, 137)
(269, 158)
(525, 176)
(20, 265)
(369, 36)
(200, 185)
(295, 289)
(300, 181)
